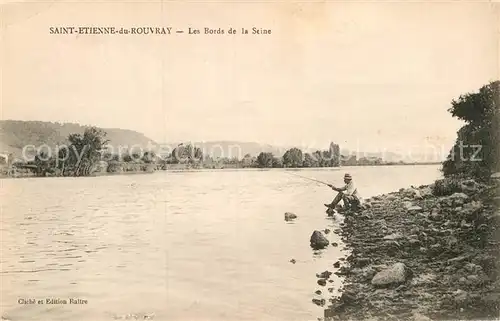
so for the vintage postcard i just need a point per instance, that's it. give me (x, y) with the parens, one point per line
(254, 160)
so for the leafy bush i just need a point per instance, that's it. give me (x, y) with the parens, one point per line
(446, 186)
(476, 151)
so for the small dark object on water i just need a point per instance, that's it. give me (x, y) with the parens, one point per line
(293, 261)
(336, 264)
(318, 292)
(290, 216)
(335, 244)
(320, 302)
(322, 282)
(327, 231)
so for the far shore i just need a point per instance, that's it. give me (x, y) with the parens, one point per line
(184, 170)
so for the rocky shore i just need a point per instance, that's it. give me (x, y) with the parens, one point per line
(426, 253)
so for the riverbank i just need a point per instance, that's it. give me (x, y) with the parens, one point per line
(422, 253)
(25, 173)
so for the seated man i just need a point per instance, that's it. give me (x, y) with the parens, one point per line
(348, 194)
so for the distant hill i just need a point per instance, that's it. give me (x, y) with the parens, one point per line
(15, 134)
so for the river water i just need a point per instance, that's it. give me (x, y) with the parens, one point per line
(206, 245)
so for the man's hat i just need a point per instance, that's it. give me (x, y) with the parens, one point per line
(347, 176)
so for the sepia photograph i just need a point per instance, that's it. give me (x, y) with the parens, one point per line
(214, 160)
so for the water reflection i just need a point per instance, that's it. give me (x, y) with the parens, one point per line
(174, 246)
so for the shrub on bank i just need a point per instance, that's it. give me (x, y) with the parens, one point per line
(446, 186)
(476, 152)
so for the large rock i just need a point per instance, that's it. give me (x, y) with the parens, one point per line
(407, 204)
(318, 240)
(470, 208)
(469, 186)
(459, 199)
(411, 193)
(420, 317)
(395, 274)
(426, 192)
(391, 197)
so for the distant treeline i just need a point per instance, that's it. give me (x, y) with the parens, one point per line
(88, 154)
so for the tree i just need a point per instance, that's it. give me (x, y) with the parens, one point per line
(476, 150)
(149, 157)
(186, 154)
(309, 161)
(85, 150)
(334, 155)
(277, 162)
(127, 158)
(318, 158)
(293, 158)
(44, 164)
(265, 160)
(248, 161)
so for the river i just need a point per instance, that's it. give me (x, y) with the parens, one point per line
(203, 245)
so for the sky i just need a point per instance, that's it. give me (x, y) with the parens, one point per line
(365, 75)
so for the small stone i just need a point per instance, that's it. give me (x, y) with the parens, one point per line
(361, 262)
(330, 290)
(435, 216)
(473, 280)
(327, 231)
(336, 264)
(458, 259)
(462, 196)
(402, 287)
(324, 275)
(414, 209)
(293, 261)
(318, 292)
(335, 244)
(320, 302)
(290, 216)
(391, 197)
(322, 282)
(414, 242)
(407, 204)
(473, 268)
(495, 175)
(348, 297)
(393, 236)
(460, 297)
(420, 317)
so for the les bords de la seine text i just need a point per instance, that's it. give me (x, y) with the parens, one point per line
(92, 30)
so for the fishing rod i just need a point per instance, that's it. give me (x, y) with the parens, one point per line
(311, 179)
